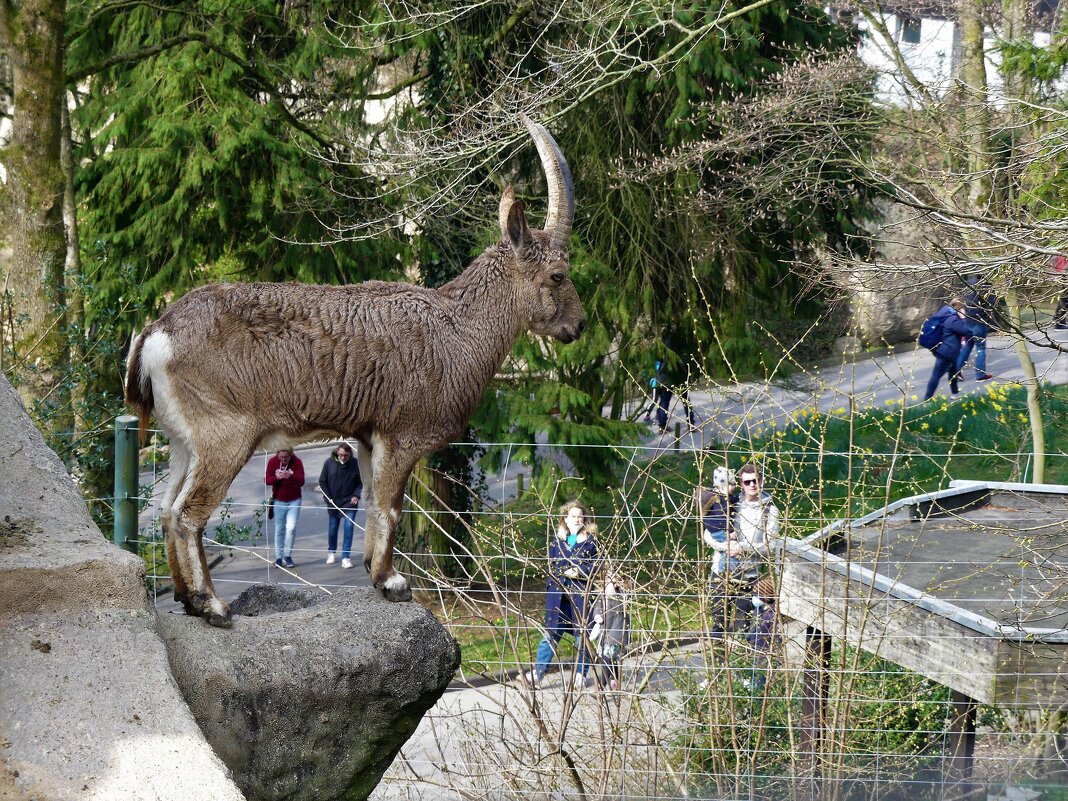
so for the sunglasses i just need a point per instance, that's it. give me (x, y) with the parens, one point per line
(749, 482)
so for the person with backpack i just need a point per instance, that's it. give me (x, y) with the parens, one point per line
(942, 333)
(611, 630)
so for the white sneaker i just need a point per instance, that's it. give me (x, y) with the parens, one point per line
(330, 558)
(580, 681)
(346, 563)
(533, 679)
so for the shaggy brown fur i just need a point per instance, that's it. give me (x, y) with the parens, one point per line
(400, 368)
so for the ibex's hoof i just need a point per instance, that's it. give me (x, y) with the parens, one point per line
(367, 565)
(217, 614)
(396, 589)
(219, 621)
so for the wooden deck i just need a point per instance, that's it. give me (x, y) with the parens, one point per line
(968, 587)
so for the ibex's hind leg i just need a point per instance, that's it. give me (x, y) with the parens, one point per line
(212, 470)
(178, 475)
(390, 469)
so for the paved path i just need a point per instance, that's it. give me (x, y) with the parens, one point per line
(735, 411)
(252, 561)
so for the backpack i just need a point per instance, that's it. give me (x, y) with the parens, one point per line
(931, 331)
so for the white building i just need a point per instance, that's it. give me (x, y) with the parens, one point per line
(930, 45)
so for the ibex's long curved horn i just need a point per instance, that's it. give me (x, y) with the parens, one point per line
(561, 214)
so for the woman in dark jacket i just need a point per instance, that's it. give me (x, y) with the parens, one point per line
(341, 486)
(572, 564)
(954, 326)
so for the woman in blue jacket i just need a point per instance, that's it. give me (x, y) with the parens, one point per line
(572, 564)
(954, 326)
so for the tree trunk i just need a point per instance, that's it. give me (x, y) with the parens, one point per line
(971, 78)
(73, 283)
(1030, 380)
(31, 33)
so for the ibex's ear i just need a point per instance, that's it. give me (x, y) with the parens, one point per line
(513, 221)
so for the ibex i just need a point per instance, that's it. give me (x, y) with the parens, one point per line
(232, 368)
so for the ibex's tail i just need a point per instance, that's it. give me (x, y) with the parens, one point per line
(139, 388)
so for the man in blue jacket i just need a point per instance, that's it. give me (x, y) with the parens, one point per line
(946, 353)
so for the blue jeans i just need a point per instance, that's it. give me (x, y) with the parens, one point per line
(334, 519)
(941, 367)
(285, 527)
(547, 650)
(564, 625)
(978, 340)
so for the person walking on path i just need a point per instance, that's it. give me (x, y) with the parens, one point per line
(285, 476)
(340, 484)
(1060, 273)
(665, 388)
(655, 381)
(946, 353)
(981, 312)
(573, 561)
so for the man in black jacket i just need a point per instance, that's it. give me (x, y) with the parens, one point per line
(981, 314)
(341, 486)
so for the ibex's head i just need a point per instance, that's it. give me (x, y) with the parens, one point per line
(541, 257)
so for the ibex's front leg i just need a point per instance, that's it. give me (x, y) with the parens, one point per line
(370, 506)
(390, 468)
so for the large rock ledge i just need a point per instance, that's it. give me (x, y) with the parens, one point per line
(88, 708)
(310, 696)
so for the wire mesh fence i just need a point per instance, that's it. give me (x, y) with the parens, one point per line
(812, 707)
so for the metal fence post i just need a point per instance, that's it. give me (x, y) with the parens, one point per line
(127, 494)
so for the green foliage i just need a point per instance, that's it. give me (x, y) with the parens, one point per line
(651, 281)
(82, 431)
(201, 136)
(705, 273)
(230, 533)
(1040, 66)
(821, 467)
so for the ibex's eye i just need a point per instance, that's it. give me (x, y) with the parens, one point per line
(557, 278)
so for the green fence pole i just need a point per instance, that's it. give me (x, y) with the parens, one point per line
(126, 489)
